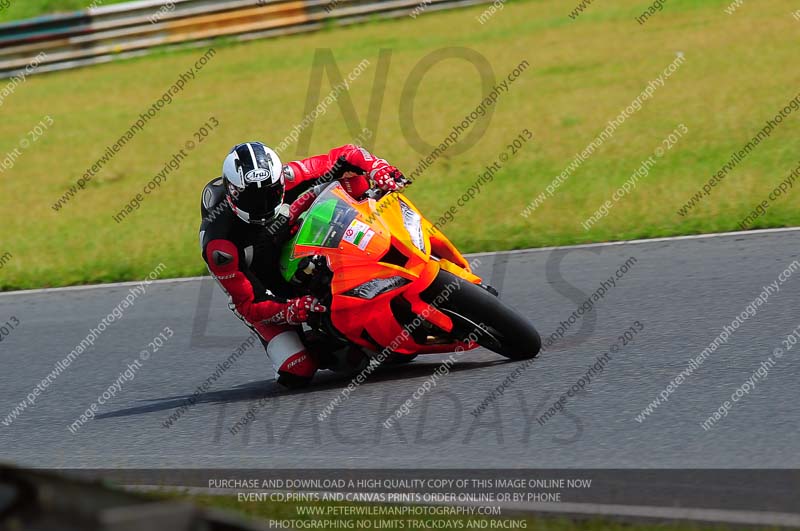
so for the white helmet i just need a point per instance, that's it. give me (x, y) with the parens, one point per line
(253, 176)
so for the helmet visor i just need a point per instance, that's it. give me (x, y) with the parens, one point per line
(260, 203)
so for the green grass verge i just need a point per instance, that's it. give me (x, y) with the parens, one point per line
(21, 9)
(279, 511)
(737, 75)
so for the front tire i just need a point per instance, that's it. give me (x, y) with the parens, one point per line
(499, 328)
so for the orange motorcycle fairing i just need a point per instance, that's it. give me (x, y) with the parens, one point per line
(381, 267)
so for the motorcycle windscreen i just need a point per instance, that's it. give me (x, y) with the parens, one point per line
(324, 225)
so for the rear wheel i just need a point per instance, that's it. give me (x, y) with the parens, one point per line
(474, 310)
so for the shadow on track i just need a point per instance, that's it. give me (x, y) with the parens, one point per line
(325, 381)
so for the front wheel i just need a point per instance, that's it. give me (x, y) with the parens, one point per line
(476, 311)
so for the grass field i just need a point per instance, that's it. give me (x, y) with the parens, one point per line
(20, 9)
(739, 71)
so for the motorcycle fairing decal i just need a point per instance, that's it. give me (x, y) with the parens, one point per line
(358, 234)
(366, 239)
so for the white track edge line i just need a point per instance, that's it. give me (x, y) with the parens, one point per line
(644, 240)
(484, 253)
(99, 286)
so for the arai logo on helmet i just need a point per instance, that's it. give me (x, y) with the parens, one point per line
(258, 175)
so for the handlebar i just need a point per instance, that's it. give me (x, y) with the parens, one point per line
(376, 193)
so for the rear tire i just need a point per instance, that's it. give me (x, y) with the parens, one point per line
(500, 328)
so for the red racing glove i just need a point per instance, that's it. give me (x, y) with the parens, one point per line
(386, 176)
(298, 310)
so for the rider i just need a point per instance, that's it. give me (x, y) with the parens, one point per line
(248, 214)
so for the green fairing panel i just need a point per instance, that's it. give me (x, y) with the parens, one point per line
(322, 226)
(289, 264)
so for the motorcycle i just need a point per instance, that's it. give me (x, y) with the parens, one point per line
(393, 284)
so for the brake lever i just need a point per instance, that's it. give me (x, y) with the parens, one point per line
(375, 193)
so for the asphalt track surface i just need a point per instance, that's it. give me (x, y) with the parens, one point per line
(682, 291)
